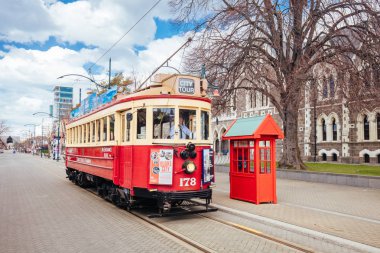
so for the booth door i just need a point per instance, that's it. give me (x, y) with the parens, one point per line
(242, 176)
(266, 183)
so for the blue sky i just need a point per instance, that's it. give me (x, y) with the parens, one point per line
(46, 39)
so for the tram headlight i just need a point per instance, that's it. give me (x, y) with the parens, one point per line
(184, 154)
(189, 167)
(193, 154)
(190, 146)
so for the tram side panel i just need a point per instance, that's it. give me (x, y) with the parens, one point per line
(98, 161)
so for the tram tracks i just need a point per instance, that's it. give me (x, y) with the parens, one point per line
(203, 248)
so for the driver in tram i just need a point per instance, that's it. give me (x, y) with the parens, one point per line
(184, 132)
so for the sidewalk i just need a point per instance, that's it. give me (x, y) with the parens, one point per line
(346, 212)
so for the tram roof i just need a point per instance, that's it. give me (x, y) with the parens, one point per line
(164, 86)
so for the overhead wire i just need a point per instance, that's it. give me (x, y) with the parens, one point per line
(130, 29)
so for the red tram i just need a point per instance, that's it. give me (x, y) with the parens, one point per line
(153, 144)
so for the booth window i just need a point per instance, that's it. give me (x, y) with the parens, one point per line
(187, 124)
(163, 123)
(141, 123)
(205, 119)
(265, 157)
(243, 156)
(112, 127)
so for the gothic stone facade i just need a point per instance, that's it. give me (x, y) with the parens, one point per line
(327, 129)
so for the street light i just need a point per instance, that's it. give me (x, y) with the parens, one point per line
(59, 124)
(34, 138)
(92, 80)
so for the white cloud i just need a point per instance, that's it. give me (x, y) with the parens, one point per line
(28, 75)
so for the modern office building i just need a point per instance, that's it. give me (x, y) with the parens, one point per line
(63, 101)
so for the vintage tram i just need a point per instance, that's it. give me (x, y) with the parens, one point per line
(153, 144)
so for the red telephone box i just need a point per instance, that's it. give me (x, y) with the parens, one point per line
(253, 158)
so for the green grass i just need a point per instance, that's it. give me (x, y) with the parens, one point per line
(353, 169)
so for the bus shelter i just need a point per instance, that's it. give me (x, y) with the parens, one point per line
(253, 158)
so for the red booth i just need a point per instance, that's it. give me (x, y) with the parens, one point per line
(253, 158)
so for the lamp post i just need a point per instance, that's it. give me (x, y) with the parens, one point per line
(34, 136)
(88, 78)
(59, 137)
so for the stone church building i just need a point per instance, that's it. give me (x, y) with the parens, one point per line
(327, 129)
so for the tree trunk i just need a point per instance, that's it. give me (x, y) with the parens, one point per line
(291, 158)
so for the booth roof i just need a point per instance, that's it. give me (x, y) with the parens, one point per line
(245, 126)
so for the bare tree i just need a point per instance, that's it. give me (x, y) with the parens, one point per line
(274, 46)
(3, 127)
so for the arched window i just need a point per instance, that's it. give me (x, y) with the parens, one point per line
(332, 87)
(216, 146)
(334, 130)
(366, 158)
(378, 125)
(324, 157)
(324, 132)
(378, 158)
(366, 127)
(225, 145)
(325, 91)
(334, 157)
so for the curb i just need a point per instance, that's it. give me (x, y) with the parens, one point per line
(300, 230)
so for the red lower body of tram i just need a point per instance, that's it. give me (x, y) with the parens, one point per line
(128, 174)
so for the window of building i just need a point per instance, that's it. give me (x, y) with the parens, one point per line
(205, 119)
(334, 130)
(366, 158)
(332, 87)
(378, 158)
(112, 127)
(324, 132)
(141, 123)
(378, 125)
(104, 129)
(187, 124)
(325, 91)
(253, 99)
(324, 157)
(366, 127)
(163, 123)
(334, 157)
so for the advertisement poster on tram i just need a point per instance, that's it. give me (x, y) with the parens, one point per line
(161, 166)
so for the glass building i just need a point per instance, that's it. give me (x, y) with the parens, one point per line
(63, 101)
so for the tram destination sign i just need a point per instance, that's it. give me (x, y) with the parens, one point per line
(186, 86)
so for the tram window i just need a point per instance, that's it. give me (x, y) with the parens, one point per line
(141, 124)
(128, 127)
(104, 120)
(187, 124)
(80, 134)
(205, 125)
(93, 131)
(163, 123)
(112, 127)
(88, 132)
(98, 130)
